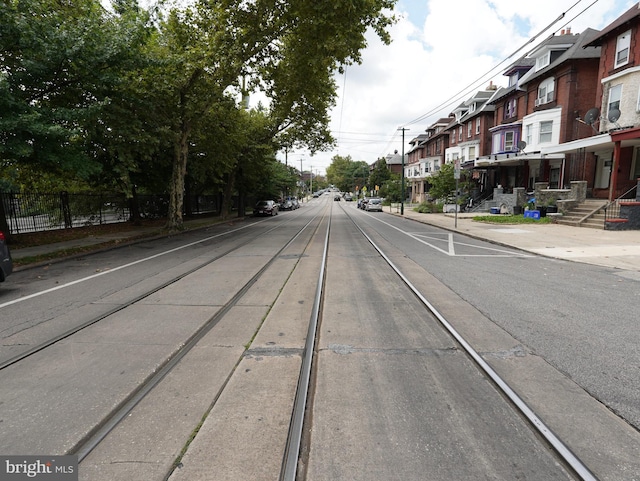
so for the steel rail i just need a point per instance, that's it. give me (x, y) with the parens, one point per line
(93, 439)
(289, 467)
(49, 342)
(561, 448)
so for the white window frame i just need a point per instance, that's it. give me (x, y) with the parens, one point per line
(509, 143)
(546, 131)
(528, 133)
(546, 91)
(623, 45)
(496, 143)
(469, 129)
(478, 125)
(615, 96)
(543, 60)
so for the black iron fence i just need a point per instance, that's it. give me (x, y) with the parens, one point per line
(32, 212)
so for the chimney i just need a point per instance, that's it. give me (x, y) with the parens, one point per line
(562, 32)
(568, 30)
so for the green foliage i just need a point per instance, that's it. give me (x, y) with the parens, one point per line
(346, 174)
(428, 207)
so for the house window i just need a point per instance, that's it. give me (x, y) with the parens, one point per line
(460, 134)
(546, 91)
(469, 129)
(472, 152)
(496, 142)
(508, 141)
(478, 125)
(528, 133)
(615, 93)
(543, 61)
(510, 109)
(546, 128)
(622, 49)
(453, 137)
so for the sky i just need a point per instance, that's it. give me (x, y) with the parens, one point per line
(442, 51)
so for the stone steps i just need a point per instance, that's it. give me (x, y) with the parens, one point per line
(588, 214)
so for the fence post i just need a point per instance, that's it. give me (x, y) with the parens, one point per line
(66, 211)
(4, 225)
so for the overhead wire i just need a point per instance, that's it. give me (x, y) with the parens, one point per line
(483, 78)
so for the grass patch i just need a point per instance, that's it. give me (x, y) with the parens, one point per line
(511, 219)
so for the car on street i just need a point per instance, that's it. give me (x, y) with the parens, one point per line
(336, 197)
(6, 264)
(373, 204)
(286, 204)
(348, 197)
(266, 207)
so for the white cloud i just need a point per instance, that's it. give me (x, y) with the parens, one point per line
(435, 55)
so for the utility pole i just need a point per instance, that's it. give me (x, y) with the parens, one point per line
(402, 175)
(302, 179)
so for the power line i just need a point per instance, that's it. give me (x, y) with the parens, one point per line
(483, 78)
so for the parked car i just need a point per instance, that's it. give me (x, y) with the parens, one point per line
(286, 204)
(266, 207)
(373, 204)
(336, 197)
(348, 197)
(296, 203)
(362, 203)
(6, 264)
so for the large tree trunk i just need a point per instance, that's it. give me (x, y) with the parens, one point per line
(176, 195)
(226, 197)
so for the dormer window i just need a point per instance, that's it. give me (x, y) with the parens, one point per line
(543, 61)
(546, 91)
(622, 49)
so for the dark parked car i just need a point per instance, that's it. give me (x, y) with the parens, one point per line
(336, 197)
(6, 264)
(266, 207)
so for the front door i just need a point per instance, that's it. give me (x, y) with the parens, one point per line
(603, 171)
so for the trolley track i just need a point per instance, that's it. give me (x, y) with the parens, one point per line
(561, 449)
(299, 439)
(107, 423)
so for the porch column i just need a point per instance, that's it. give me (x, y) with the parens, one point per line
(615, 162)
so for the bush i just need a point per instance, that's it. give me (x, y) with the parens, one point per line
(428, 208)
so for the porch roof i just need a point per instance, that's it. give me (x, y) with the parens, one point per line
(514, 159)
(589, 144)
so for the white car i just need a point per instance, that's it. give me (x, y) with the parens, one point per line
(373, 204)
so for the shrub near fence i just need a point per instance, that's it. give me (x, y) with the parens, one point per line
(34, 212)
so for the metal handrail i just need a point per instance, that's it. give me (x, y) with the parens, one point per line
(612, 209)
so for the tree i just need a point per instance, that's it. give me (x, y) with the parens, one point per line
(61, 61)
(380, 174)
(443, 184)
(346, 174)
(291, 47)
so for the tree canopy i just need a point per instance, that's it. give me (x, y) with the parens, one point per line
(125, 97)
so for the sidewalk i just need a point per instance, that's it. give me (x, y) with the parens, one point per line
(617, 249)
(108, 240)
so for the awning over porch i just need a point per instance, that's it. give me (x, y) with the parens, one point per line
(589, 144)
(514, 159)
